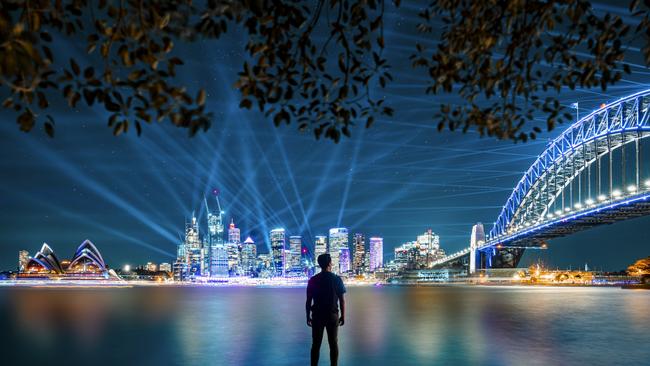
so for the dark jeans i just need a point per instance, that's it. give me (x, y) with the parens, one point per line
(319, 324)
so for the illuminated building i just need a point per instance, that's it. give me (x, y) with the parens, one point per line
(193, 248)
(277, 251)
(376, 253)
(428, 249)
(217, 253)
(180, 265)
(152, 267)
(86, 264)
(232, 248)
(248, 255)
(294, 254)
(306, 261)
(165, 267)
(338, 239)
(320, 246)
(23, 259)
(419, 254)
(344, 260)
(406, 255)
(234, 234)
(359, 253)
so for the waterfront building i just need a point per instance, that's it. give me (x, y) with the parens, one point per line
(151, 267)
(338, 238)
(165, 267)
(344, 260)
(180, 270)
(359, 253)
(376, 260)
(248, 256)
(427, 249)
(180, 264)
(23, 259)
(217, 254)
(86, 264)
(320, 246)
(306, 261)
(406, 255)
(294, 254)
(193, 247)
(234, 234)
(233, 249)
(277, 239)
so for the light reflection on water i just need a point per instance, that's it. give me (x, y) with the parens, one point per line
(265, 326)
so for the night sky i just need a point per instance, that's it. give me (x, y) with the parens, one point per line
(131, 195)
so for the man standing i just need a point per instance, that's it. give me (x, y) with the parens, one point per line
(326, 290)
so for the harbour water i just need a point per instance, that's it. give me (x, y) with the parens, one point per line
(266, 326)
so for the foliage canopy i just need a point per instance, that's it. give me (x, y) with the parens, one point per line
(316, 64)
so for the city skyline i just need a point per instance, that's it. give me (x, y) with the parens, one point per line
(393, 179)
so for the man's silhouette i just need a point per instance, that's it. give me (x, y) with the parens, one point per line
(325, 289)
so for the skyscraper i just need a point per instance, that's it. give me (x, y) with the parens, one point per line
(23, 259)
(232, 247)
(165, 267)
(277, 251)
(320, 247)
(248, 256)
(344, 260)
(217, 254)
(359, 253)
(428, 249)
(234, 234)
(180, 265)
(338, 239)
(295, 245)
(376, 253)
(193, 248)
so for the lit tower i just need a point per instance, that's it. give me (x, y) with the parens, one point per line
(232, 247)
(277, 251)
(193, 248)
(359, 253)
(376, 253)
(320, 246)
(248, 256)
(217, 255)
(295, 246)
(429, 248)
(476, 240)
(338, 240)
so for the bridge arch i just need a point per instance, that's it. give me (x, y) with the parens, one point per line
(571, 158)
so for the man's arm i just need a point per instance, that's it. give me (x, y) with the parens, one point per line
(308, 306)
(342, 303)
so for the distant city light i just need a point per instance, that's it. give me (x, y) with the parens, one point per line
(578, 205)
(127, 268)
(647, 183)
(602, 197)
(558, 212)
(549, 215)
(631, 188)
(616, 193)
(589, 201)
(567, 209)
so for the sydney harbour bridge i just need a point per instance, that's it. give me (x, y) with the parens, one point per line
(592, 174)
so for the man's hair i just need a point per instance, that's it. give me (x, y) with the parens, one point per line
(324, 260)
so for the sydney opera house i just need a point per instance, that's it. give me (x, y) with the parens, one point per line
(86, 264)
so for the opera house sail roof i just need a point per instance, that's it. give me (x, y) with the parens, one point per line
(86, 263)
